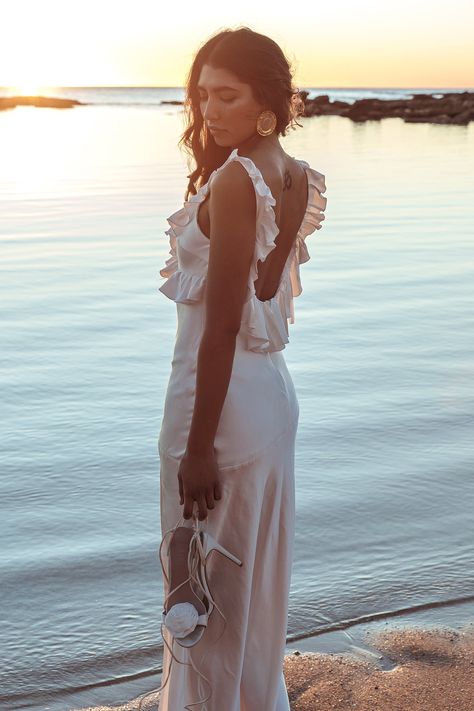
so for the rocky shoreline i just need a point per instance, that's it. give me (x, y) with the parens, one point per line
(11, 102)
(448, 108)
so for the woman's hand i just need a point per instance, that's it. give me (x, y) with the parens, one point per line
(198, 478)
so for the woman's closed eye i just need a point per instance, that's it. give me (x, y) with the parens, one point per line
(226, 101)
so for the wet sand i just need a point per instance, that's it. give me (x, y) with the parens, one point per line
(433, 670)
(392, 669)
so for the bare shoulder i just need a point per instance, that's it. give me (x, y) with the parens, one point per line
(232, 192)
(233, 179)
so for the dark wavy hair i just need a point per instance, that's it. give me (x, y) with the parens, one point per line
(254, 59)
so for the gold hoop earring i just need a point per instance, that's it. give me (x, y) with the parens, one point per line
(266, 123)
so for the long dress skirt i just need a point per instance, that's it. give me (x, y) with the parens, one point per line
(254, 519)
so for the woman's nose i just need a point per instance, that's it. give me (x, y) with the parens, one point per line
(210, 111)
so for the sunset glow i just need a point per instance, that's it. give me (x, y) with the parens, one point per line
(337, 44)
(28, 89)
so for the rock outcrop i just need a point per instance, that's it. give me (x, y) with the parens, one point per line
(11, 102)
(450, 108)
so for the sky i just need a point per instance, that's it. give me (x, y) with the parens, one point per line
(339, 43)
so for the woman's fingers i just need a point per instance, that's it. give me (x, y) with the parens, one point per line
(205, 500)
(209, 499)
(188, 507)
(189, 499)
(202, 507)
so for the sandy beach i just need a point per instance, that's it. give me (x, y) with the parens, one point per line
(432, 671)
(396, 669)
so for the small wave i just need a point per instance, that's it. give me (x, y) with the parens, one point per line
(372, 617)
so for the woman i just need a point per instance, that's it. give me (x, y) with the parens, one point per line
(227, 438)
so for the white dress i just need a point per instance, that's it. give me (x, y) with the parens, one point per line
(254, 445)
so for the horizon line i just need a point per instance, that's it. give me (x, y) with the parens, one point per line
(150, 86)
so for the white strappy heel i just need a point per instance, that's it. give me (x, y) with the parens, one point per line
(185, 624)
(182, 620)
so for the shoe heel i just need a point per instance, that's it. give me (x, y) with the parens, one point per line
(210, 543)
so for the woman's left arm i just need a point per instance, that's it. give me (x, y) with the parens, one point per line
(232, 209)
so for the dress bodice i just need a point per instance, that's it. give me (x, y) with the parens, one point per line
(264, 325)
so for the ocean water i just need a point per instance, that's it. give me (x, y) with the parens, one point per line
(381, 355)
(152, 97)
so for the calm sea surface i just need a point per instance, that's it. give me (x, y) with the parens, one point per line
(381, 356)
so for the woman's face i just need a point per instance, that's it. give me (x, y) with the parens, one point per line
(228, 105)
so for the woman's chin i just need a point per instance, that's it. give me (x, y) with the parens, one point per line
(222, 138)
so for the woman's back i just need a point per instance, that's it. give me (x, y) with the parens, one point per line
(288, 184)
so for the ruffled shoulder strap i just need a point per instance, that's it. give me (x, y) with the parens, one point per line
(266, 232)
(266, 226)
(180, 219)
(316, 202)
(312, 220)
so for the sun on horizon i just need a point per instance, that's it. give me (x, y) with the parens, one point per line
(28, 89)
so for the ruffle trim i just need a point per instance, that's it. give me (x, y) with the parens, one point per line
(171, 264)
(180, 286)
(177, 222)
(264, 324)
(267, 229)
(312, 220)
(184, 287)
